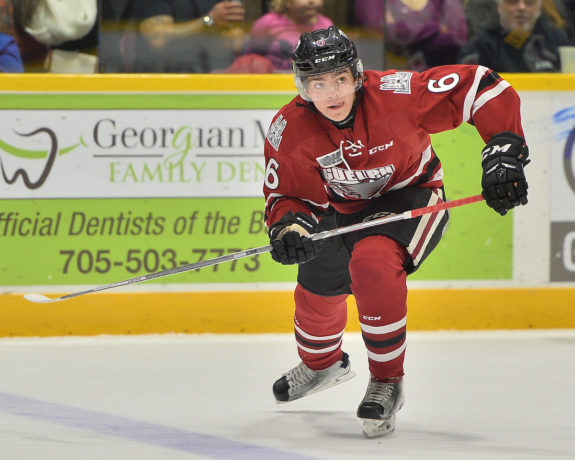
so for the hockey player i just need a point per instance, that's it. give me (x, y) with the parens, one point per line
(352, 146)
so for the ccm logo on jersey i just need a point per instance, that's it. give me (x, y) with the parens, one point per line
(325, 59)
(380, 148)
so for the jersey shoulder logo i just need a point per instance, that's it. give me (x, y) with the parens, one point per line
(398, 82)
(274, 135)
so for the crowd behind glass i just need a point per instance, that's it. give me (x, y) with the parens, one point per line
(259, 36)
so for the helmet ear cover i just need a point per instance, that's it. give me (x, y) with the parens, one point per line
(324, 51)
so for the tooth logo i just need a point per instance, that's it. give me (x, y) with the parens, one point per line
(49, 155)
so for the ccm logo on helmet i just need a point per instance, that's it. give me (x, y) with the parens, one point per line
(325, 59)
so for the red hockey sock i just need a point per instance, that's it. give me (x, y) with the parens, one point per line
(319, 324)
(380, 290)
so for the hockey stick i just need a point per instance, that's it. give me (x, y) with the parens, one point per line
(39, 298)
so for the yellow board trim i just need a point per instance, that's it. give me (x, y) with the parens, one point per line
(541, 82)
(272, 312)
(223, 83)
(155, 83)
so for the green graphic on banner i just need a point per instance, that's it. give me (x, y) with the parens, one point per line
(192, 101)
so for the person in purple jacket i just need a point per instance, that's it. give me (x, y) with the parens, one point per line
(428, 33)
(10, 60)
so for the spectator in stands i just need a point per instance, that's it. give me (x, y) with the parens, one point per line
(189, 36)
(32, 52)
(117, 35)
(560, 15)
(68, 27)
(10, 60)
(427, 32)
(570, 8)
(276, 34)
(482, 15)
(525, 41)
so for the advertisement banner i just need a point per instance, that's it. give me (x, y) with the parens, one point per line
(129, 153)
(90, 197)
(563, 190)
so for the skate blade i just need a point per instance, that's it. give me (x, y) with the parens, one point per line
(341, 379)
(378, 428)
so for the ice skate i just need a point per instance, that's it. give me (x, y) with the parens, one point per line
(382, 400)
(302, 381)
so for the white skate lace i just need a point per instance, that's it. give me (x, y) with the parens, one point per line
(379, 392)
(299, 375)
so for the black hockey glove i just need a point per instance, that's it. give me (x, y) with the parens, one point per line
(504, 184)
(290, 240)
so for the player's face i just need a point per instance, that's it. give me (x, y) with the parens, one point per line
(332, 93)
(518, 14)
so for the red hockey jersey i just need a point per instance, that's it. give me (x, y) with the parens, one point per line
(311, 164)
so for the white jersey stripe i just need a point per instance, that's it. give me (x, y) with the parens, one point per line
(314, 337)
(317, 205)
(437, 219)
(472, 93)
(273, 196)
(426, 229)
(438, 175)
(384, 357)
(422, 225)
(276, 196)
(383, 329)
(488, 95)
(425, 157)
(317, 351)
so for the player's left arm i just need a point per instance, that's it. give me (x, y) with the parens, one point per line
(452, 95)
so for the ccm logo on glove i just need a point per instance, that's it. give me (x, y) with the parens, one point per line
(503, 182)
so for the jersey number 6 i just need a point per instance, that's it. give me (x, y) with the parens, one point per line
(272, 180)
(444, 84)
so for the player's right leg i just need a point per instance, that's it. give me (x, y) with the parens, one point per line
(383, 398)
(379, 287)
(382, 257)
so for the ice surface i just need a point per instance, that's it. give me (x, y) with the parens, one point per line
(492, 395)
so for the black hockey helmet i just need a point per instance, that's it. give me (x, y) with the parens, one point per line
(323, 51)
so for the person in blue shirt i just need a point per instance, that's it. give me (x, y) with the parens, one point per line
(10, 60)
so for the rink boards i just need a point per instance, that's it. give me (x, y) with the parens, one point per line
(272, 311)
(148, 165)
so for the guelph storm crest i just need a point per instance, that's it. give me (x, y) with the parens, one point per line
(354, 184)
